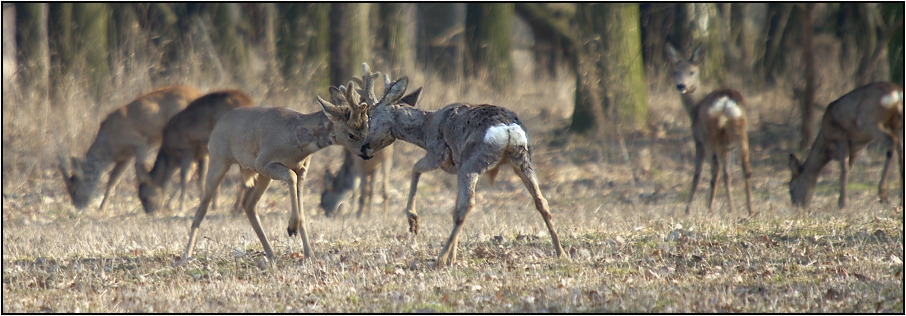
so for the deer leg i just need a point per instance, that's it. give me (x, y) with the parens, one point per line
(252, 196)
(185, 163)
(696, 176)
(213, 177)
(725, 166)
(385, 183)
(844, 169)
(715, 177)
(744, 152)
(882, 190)
(523, 168)
(114, 178)
(300, 179)
(237, 205)
(363, 193)
(464, 200)
(422, 165)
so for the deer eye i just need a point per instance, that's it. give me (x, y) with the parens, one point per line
(352, 137)
(691, 73)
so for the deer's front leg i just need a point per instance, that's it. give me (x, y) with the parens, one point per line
(425, 164)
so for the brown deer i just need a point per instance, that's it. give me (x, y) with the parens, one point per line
(718, 124)
(866, 114)
(357, 176)
(277, 143)
(462, 139)
(185, 141)
(129, 131)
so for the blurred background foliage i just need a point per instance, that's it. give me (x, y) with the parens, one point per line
(293, 48)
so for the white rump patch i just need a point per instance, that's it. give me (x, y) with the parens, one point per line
(503, 135)
(891, 99)
(724, 108)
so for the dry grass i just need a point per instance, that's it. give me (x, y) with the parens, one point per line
(630, 247)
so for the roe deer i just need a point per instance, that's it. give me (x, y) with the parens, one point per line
(868, 113)
(718, 125)
(185, 142)
(277, 143)
(129, 131)
(462, 139)
(357, 176)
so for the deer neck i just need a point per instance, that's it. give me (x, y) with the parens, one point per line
(410, 125)
(817, 158)
(164, 168)
(97, 160)
(315, 132)
(693, 99)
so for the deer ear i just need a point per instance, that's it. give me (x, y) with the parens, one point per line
(671, 53)
(76, 167)
(795, 166)
(697, 54)
(337, 94)
(332, 111)
(396, 91)
(412, 98)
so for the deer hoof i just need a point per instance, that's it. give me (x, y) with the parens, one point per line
(413, 224)
(291, 231)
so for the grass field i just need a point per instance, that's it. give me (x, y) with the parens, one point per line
(617, 205)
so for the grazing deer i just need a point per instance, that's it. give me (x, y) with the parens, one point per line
(185, 141)
(718, 125)
(869, 113)
(277, 143)
(358, 176)
(129, 131)
(462, 139)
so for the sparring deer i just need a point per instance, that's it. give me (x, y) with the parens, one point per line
(357, 176)
(185, 142)
(462, 139)
(277, 143)
(129, 131)
(718, 124)
(866, 114)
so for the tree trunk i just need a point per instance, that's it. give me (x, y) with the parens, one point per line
(90, 21)
(808, 95)
(394, 36)
(262, 24)
(350, 41)
(770, 61)
(742, 38)
(895, 51)
(588, 109)
(31, 41)
(700, 23)
(489, 32)
(233, 50)
(440, 40)
(658, 21)
(303, 39)
(62, 48)
(126, 41)
(625, 79)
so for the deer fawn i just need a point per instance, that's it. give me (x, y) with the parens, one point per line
(358, 176)
(277, 143)
(869, 113)
(718, 124)
(462, 139)
(129, 131)
(185, 142)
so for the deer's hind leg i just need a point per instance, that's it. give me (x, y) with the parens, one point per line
(465, 199)
(715, 178)
(522, 165)
(218, 169)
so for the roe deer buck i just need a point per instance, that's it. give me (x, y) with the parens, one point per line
(185, 142)
(356, 176)
(868, 113)
(718, 124)
(129, 131)
(277, 143)
(462, 139)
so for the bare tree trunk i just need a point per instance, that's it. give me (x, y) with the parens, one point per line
(90, 21)
(350, 40)
(625, 80)
(126, 42)
(808, 95)
(394, 36)
(489, 32)
(771, 59)
(895, 51)
(303, 45)
(588, 109)
(440, 40)
(227, 20)
(33, 58)
(263, 21)
(62, 47)
(700, 23)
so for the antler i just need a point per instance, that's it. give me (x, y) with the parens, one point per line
(367, 82)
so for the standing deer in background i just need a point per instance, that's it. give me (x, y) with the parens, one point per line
(185, 142)
(462, 139)
(718, 124)
(277, 143)
(357, 176)
(129, 131)
(869, 113)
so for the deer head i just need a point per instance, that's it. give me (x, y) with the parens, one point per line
(379, 135)
(74, 179)
(686, 74)
(349, 117)
(801, 188)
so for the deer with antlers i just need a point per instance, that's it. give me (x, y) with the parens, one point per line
(185, 142)
(869, 113)
(462, 139)
(129, 131)
(277, 143)
(718, 124)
